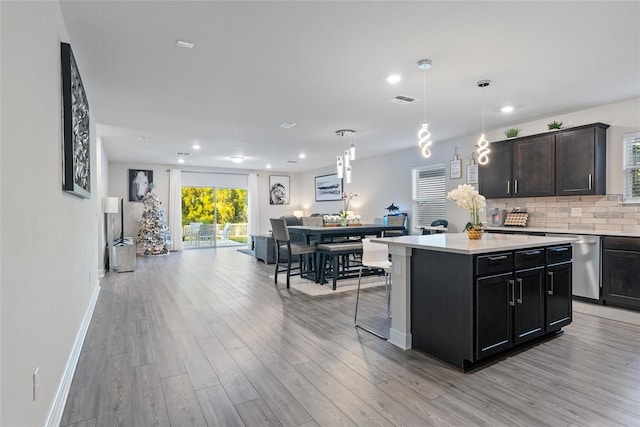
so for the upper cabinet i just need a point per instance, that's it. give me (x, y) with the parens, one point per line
(580, 160)
(565, 162)
(533, 166)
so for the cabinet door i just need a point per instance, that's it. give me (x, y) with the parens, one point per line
(620, 273)
(494, 314)
(575, 162)
(558, 287)
(494, 180)
(529, 304)
(581, 161)
(534, 166)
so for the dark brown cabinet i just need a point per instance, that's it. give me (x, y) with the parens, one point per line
(620, 272)
(494, 314)
(528, 304)
(566, 162)
(534, 166)
(581, 161)
(495, 178)
(558, 288)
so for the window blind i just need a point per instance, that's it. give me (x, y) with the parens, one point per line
(429, 194)
(631, 162)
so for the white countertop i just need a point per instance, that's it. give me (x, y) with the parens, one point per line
(573, 231)
(460, 243)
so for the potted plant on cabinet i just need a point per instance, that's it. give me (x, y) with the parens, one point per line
(512, 132)
(554, 125)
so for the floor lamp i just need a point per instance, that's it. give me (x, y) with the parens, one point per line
(110, 207)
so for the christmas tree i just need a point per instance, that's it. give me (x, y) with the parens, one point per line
(153, 235)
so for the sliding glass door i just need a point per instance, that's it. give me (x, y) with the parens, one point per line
(214, 217)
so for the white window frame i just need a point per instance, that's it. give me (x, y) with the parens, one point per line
(630, 167)
(429, 204)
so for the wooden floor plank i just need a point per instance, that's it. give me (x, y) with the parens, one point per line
(217, 407)
(182, 405)
(207, 334)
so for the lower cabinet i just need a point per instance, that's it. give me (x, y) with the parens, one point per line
(620, 272)
(558, 296)
(489, 303)
(531, 297)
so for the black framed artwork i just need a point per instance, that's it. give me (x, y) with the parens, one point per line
(279, 190)
(76, 141)
(140, 184)
(328, 187)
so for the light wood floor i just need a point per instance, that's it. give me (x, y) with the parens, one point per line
(205, 338)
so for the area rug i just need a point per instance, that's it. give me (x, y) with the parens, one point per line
(309, 287)
(246, 251)
(607, 312)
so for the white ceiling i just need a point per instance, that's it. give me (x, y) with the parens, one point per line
(323, 66)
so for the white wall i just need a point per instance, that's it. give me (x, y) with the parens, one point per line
(49, 244)
(119, 187)
(386, 179)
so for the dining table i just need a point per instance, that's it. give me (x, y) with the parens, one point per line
(326, 234)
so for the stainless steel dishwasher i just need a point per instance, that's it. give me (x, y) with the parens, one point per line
(586, 266)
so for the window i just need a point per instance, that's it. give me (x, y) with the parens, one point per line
(631, 162)
(429, 194)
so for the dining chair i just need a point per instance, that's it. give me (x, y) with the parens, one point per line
(375, 256)
(284, 246)
(437, 223)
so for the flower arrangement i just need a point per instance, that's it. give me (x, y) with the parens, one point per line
(346, 198)
(467, 197)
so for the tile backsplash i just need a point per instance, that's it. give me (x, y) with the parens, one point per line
(599, 213)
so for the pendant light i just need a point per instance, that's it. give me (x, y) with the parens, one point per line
(424, 136)
(483, 144)
(343, 161)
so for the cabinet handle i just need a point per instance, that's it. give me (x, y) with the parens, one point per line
(508, 187)
(590, 182)
(550, 291)
(531, 253)
(519, 300)
(515, 185)
(513, 293)
(497, 258)
(562, 249)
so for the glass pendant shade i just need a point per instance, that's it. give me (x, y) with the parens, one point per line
(340, 167)
(352, 151)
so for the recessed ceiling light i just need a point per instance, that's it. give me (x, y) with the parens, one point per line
(182, 43)
(507, 109)
(237, 159)
(394, 78)
(268, 166)
(196, 146)
(180, 160)
(302, 155)
(287, 125)
(141, 138)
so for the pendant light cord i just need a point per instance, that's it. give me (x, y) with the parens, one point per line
(424, 95)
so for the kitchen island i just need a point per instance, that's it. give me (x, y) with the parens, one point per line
(463, 300)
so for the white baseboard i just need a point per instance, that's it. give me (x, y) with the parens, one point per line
(400, 339)
(60, 399)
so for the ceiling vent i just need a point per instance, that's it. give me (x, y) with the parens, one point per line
(183, 154)
(287, 125)
(401, 99)
(292, 161)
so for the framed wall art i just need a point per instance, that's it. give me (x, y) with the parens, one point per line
(140, 184)
(328, 187)
(76, 141)
(279, 190)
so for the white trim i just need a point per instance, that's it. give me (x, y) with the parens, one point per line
(400, 339)
(60, 400)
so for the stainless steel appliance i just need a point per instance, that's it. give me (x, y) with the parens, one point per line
(586, 266)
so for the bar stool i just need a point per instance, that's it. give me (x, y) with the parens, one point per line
(375, 255)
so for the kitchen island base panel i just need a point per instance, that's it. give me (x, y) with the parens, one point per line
(442, 305)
